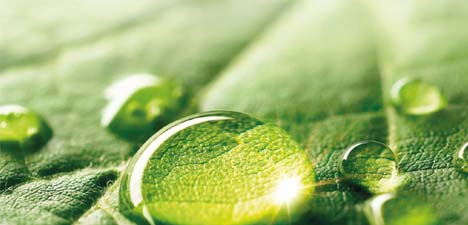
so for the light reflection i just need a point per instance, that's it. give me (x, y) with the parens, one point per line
(375, 215)
(120, 92)
(287, 190)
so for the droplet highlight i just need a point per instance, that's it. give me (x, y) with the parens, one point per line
(416, 97)
(217, 168)
(391, 209)
(461, 158)
(371, 165)
(141, 104)
(22, 128)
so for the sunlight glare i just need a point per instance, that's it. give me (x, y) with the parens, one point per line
(287, 190)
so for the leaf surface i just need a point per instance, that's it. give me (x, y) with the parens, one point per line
(321, 69)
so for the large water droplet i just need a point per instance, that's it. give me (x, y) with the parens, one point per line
(217, 168)
(461, 158)
(416, 97)
(141, 104)
(372, 165)
(390, 209)
(23, 128)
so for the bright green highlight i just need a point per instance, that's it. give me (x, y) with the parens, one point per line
(372, 165)
(416, 97)
(461, 158)
(390, 209)
(23, 128)
(217, 168)
(141, 104)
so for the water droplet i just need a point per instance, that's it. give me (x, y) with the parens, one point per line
(390, 209)
(216, 168)
(23, 128)
(461, 158)
(416, 97)
(141, 104)
(374, 212)
(372, 165)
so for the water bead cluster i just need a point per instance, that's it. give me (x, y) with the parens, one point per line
(225, 167)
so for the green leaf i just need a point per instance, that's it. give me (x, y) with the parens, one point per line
(33, 33)
(68, 88)
(58, 200)
(323, 70)
(329, 94)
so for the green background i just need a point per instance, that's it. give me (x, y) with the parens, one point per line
(321, 69)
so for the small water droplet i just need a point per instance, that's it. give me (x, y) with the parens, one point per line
(232, 167)
(372, 165)
(141, 104)
(416, 97)
(461, 158)
(23, 128)
(374, 212)
(390, 209)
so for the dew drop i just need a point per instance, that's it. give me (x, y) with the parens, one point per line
(23, 128)
(141, 104)
(371, 165)
(461, 158)
(374, 211)
(390, 209)
(217, 168)
(416, 97)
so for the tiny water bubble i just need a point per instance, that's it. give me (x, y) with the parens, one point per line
(23, 128)
(393, 209)
(416, 97)
(371, 165)
(141, 104)
(461, 158)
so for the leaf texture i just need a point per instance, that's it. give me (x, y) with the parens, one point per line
(321, 69)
